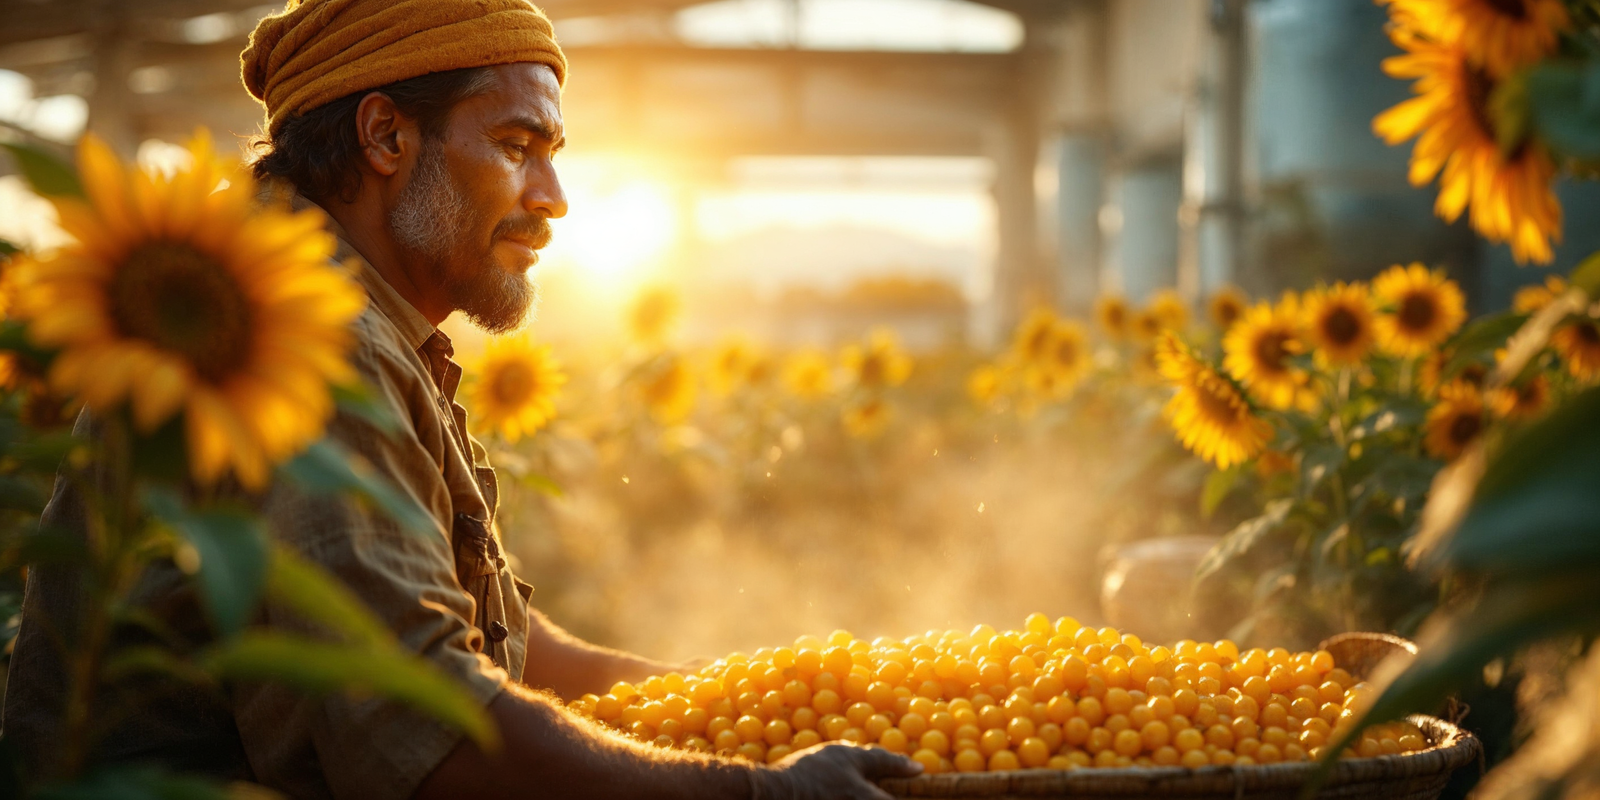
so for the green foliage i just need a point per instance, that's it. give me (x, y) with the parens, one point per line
(148, 783)
(327, 468)
(317, 667)
(48, 174)
(315, 594)
(1563, 99)
(232, 545)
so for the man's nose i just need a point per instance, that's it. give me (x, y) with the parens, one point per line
(544, 195)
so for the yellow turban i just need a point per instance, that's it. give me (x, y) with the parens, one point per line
(318, 51)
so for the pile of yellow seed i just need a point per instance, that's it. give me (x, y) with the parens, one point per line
(1052, 695)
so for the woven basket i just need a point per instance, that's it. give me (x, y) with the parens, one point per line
(1412, 776)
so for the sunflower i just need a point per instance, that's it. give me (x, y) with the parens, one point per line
(1502, 35)
(668, 390)
(1169, 310)
(1111, 312)
(879, 363)
(1509, 188)
(1340, 323)
(808, 374)
(1421, 309)
(653, 314)
(516, 387)
(1578, 344)
(868, 418)
(1431, 372)
(1032, 336)
(732, 365)
(1259, 349)
(1531, 299)
(1524, 400)
(1209, 414)
(984, 385)
(1145, 325)
(180, 298)
(1455, 421)
(1067, 358)
(1226, 307)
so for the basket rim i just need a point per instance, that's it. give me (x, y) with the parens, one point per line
(1455, 747)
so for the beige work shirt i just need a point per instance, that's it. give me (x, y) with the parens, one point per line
(447, 596)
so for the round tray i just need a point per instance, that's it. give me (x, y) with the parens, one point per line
(1412, 776)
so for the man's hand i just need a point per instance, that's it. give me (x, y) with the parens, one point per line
(833, 772)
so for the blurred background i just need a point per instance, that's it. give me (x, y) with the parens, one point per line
(782, 177)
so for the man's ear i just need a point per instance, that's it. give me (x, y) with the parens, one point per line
(383, 132)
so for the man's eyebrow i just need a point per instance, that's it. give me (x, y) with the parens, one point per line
(542, 128)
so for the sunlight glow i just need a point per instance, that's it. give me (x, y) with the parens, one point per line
(613, 237)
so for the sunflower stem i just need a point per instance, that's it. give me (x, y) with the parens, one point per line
(111, 523)
(1406, 367)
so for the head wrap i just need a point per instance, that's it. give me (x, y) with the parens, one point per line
(317, 51)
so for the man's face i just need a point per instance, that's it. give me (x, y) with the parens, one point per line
(476, 205)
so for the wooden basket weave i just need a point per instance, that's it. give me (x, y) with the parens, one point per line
(1412, 776)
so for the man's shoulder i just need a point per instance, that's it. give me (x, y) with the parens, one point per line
(380, 350)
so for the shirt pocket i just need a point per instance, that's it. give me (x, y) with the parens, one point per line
(478, 566)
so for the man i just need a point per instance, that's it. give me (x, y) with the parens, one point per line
(425, 129)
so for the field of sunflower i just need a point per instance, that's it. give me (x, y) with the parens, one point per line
(1363, 455)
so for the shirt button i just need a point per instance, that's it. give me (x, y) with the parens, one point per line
(497, 631)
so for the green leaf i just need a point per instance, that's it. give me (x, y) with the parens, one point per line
(147, 783)
(1536, 510)
(1586, 275)
(45, 451)
(8, 249)
(48, 546)
(542, 484)
(1564, 106)
(1478, 339)
(1562, 440)
(18, 494)
(1506, 618)
(358, 400)
(232, 545)
(1509, 114)
(129, 661)
(14, 338)
(1397, 415)
(1244, 538)
(1400, 476)
(314, 593)
(322, 668)
(1219, 484)
(328, 468)
(1318, 462)
(48, 174)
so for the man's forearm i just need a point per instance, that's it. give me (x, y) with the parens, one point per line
(548, 752)
(570, 667)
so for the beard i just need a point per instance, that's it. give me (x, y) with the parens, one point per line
(434, 220)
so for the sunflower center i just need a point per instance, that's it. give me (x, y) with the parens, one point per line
(1516, 9)
(1342, 326)
(1588, 332)
(1067, 353)
(1272, 351)
(181, 301)
(872, 370)
(1217, 401)
(514, 384)
(1417, 312)
(1464, 428)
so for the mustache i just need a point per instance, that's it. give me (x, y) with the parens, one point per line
(535, 229)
